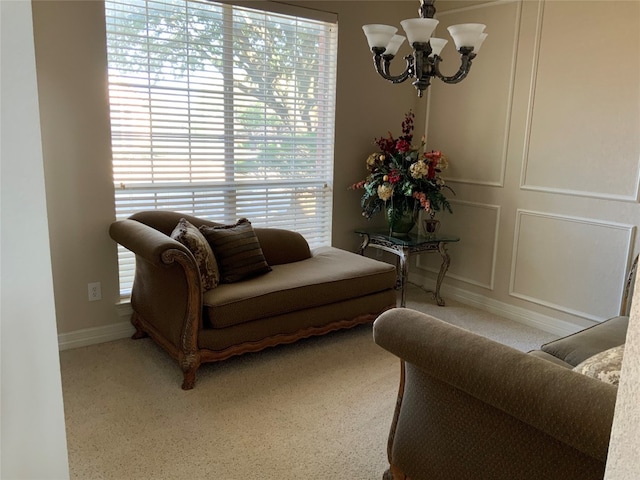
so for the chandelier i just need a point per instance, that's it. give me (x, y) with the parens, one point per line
(425, 61)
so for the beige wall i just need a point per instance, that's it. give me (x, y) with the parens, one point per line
(71, 65)
(72, 84)
(545, 160)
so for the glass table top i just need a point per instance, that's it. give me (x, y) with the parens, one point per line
(408, 240)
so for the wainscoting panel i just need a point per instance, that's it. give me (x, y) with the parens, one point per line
(477, 150)
(473, 259)
(566, 150)
(575, 265)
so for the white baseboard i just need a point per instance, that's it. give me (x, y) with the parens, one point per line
(92, 336)
(517, 314)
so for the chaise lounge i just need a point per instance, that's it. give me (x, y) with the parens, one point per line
(295, 293)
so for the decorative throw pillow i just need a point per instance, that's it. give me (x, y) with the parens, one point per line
(189, 235)
(603, 366)
(237, 250)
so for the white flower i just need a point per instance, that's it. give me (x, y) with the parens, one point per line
(385, 191)
(419, 169)
(372, 159)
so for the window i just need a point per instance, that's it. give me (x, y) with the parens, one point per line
(222, 112)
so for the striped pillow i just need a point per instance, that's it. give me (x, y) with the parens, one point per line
(237, 250)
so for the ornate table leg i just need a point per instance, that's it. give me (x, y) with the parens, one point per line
(364, 244)
(442, 248)
(403, 254)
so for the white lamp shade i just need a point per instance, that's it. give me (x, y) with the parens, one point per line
(394, 44)
(379, 35)
(466, 34)
(437, 44)
(478, 44)
(419, 29)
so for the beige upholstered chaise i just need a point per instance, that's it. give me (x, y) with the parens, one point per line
(305, 293)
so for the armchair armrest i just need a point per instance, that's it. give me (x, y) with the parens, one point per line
(166, 296)
(571, 408)
(143, 240)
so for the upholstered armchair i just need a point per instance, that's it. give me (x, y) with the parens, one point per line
(472, 409)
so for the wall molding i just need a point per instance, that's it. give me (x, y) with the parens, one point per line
(584, 193)
(493, 3)
(632, 198)
(520, 213)
(479, 183)
(510, 95)
(532, 95)
(494, 254)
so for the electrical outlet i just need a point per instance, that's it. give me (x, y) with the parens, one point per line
(95, 292)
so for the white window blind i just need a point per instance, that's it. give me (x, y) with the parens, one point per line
(222, 112)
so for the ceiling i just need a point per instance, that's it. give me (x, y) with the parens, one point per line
(442, 5)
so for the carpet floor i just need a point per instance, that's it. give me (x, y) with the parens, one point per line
(317, 409)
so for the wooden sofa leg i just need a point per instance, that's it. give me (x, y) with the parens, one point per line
(189, 364)
(139, 333)
(189, 379)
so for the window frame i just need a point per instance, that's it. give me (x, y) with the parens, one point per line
(314, 192)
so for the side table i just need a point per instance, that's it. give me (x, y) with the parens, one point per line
(406, 245)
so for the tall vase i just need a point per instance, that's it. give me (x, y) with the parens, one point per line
(401, 221)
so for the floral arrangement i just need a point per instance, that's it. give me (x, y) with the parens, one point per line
(402, 177)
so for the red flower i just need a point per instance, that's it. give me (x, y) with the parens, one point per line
(394, 176)
(386, 145)
(390, 145)
(433, 155)
(358, 185)
(422, 198)
(407, 126)
(403, 146)
(433, 158)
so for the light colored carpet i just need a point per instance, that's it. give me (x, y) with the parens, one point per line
(317, 409)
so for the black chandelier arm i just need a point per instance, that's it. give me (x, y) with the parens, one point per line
(466, 59)
(383, 63)
(427, 9)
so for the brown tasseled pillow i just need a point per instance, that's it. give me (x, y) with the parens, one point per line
(189, 236)
(237, 250)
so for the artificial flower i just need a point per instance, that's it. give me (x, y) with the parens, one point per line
(402, 177)
(384, 191)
